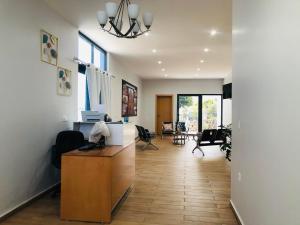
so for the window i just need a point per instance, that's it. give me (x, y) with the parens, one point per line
(88, 52)
(200, 112)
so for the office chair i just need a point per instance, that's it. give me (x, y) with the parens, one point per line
(66, 141)
(146, 136)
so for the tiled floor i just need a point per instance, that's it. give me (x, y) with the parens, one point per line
(172, 186)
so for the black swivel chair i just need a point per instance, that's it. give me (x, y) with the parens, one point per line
(66, 141)
(146, 136)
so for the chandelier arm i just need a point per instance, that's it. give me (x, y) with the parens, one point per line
(110, 28)
(115, 28)
(143, 32)
(130, 29)
(120, 9)
(139, 27)
(128, 37)
(129, 20)
(111, 33)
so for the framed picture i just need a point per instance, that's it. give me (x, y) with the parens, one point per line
(64, 81)
(129, 99)
(49, 48)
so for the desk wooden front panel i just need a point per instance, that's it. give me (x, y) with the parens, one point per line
(92, 183)
(123, 172)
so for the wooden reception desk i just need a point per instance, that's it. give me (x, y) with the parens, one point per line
(93, 182)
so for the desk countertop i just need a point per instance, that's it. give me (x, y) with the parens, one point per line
(108, 151)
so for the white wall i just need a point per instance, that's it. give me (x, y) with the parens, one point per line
(121, 71)
(227, 105)
(31, 111)
(266, 78)
(151, 88)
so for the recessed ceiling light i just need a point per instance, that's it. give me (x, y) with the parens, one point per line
(154, 50)
(206, 50)
(213, 32)
(159, 62)
(201, 61)
(198, 69)
(166, 75)
(163, 69)
(147, 34)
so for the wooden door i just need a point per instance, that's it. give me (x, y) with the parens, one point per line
(164, 110)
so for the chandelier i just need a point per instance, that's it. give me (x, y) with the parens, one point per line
(114, 14)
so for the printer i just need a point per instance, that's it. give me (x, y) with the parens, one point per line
(92, 116)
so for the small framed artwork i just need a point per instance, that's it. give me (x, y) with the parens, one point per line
(129, 99)
(49, 48)
(64, 81)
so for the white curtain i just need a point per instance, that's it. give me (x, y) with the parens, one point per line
(99, 87)
(105, 91)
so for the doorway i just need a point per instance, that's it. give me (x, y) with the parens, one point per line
(164, 111)
(200, 112)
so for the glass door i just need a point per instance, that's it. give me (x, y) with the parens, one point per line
(188, 111)
(199, 112)
(211, 111)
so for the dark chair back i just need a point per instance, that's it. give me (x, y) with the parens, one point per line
(220, 136)
(139, 131)
(66, 141)
(144, 134)
(166, 123)
(209, 135)
(180, 126)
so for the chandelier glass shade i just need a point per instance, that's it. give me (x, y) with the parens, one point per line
(111, 19)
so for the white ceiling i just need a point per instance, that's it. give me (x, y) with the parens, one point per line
(180, 32)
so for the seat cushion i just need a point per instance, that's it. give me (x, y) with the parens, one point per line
(168, 127)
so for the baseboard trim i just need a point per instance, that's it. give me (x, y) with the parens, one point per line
(25, 203)
(236, 213)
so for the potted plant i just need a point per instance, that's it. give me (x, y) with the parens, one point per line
(226, 147)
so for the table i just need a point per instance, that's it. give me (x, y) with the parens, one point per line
(179, 138)
(193, 135)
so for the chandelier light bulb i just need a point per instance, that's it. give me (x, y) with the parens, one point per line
(148, 19)
(136, 27)
(111, 9)
(133, 11)
(102, 18)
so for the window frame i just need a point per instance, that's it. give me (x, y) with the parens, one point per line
(200, 109)
(93, 47)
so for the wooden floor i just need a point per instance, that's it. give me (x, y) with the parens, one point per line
(172, 187)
